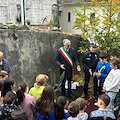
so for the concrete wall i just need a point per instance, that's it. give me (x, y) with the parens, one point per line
(30, 53)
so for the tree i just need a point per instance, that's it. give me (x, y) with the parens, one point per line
(104, 28)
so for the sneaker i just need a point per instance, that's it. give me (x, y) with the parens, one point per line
(96, 103)
(116, 108)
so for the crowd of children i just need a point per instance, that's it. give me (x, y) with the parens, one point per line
(39, 102)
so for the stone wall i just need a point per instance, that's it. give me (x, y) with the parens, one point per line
(30, 53)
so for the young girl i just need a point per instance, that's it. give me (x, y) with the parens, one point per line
(37, 90)
(60, 111)
(45, 105)
(8, 85)
(8, 107)
(25, 101)
(112, 83)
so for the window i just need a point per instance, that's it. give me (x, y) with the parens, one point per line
(69, 16)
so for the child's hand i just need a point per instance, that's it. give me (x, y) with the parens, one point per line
(94, 74)
(104, 89)
(98, 74)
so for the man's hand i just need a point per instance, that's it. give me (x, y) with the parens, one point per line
(98, 74)
(94, 74)
(62, 66)
(90, 71)
(78, 68)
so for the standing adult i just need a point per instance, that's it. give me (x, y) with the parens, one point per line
(89, 61)
(4, 65)
(64, 59)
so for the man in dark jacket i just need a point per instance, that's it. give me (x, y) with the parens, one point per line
(64, 59)
(89, 61)
(4, 65)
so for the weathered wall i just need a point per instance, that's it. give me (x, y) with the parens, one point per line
(33, 52)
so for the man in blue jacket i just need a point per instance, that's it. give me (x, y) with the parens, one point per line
(64, 59)
(4, 65)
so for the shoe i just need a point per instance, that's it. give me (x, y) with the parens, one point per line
(116, 108)
(86, 96)
(70, 95)
(96, 103)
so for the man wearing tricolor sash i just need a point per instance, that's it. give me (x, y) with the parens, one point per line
(64, 59)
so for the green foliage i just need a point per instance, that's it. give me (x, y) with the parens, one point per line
(104, 29)
(59, 85)
(52, 24)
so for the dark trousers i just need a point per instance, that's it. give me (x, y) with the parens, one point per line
(100, 87)
(63, 85)
(87, 79)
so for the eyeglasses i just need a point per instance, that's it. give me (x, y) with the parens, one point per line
(67, 45)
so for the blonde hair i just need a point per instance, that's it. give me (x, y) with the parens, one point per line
(40, 80)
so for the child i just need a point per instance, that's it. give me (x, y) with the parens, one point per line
(82, 106)
(41, 81)
(112, 83)
(45, 105)
(102, 113)
(25, 101)
(60, 111)
(114, 55)
(103, 68)
(8, 85)
(73, 110)
(8, 107)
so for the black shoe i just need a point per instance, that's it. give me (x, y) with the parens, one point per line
(70, 95)
(86, 96)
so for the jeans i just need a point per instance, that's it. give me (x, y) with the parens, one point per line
(112, 96)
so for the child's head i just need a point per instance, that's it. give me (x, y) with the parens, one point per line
(41, 80)
(82, 103)
(9, 98)
(103, 57)
(22, 89)
(115, 64)
(103, 101)
(8, 85)
(19, 115)
(73, 109)
(3, 75)
(113, 55)
(44, 105)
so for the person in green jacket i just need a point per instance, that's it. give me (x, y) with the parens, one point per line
(41, 81)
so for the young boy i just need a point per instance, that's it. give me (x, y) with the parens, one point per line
(102, 70)
(73, 110)
(82, 106)
(102, 113)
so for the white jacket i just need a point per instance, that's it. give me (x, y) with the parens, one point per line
(112, 81)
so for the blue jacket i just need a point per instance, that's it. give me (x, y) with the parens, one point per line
(103, 69)
(61, 60)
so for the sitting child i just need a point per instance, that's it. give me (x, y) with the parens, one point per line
(82, 106)
(73, 110)
(102, 113)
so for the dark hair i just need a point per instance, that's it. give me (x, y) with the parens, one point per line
(44, 105)
(73, 109)
(103, 55)
(2, 74)
(105, 98)
(9, 97)
(115, 62)
(19, 115)
(1, 84)
(7, 86)
(20, 92)
(59, 107)
(113, 53)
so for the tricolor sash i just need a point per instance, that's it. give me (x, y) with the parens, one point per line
(68, 58)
